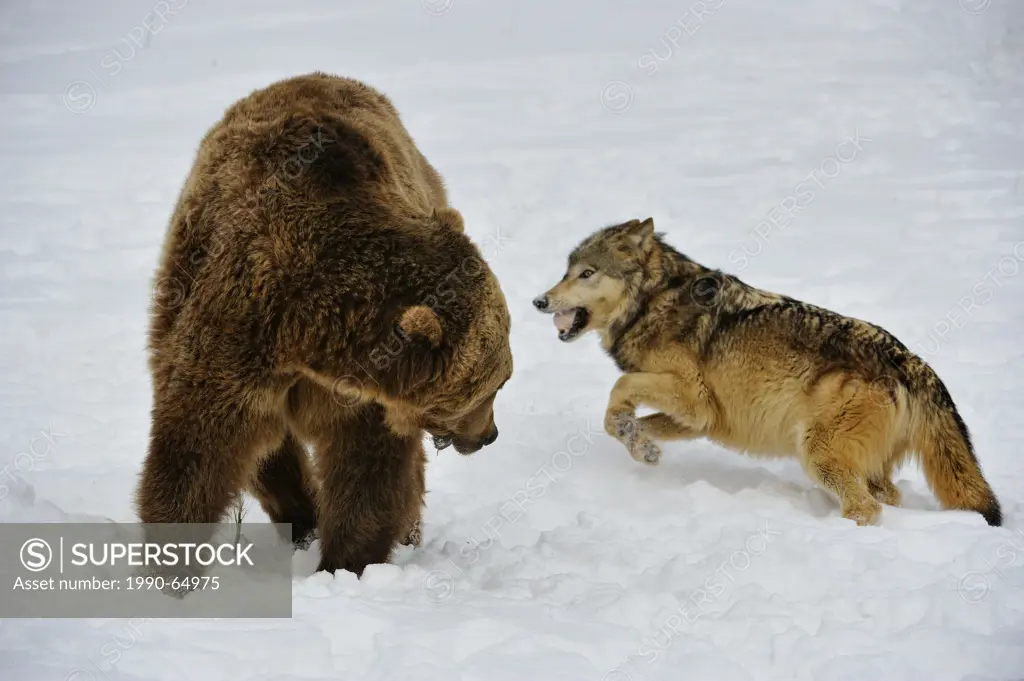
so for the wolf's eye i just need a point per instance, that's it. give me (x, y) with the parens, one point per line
(586, 274)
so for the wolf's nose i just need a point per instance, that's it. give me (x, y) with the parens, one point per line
(541, 302)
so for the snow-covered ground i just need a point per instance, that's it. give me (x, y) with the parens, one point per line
(552, 554)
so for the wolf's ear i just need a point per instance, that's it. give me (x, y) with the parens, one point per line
(419, 321)
(641, 234)
(449, 218)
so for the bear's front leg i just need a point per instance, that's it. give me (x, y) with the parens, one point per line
(369, 494)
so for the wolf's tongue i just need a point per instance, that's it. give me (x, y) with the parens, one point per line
(564, 319)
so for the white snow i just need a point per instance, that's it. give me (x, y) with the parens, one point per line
(552, 554)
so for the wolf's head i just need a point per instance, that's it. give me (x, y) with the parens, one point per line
(606, 274)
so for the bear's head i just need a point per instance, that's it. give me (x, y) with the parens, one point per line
(457, 408)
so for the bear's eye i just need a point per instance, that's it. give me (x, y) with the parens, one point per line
(586, 274)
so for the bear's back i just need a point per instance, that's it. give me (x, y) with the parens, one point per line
(290, 170)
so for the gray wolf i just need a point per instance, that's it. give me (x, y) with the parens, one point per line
(761, 373)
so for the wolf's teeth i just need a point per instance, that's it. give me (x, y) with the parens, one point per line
(564, 320)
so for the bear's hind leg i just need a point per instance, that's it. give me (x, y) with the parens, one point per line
(284, 486)
(368, 499)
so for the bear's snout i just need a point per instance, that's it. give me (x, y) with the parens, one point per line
(473, 446)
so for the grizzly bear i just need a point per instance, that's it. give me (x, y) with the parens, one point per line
(315, 289)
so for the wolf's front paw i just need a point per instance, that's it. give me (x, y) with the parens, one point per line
(645, 451)
(621, 425)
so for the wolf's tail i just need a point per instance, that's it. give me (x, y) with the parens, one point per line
(947, 456)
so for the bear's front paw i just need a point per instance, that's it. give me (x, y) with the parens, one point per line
(645, 451)
(415, 536)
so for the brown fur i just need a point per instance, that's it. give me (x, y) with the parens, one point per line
(316, 289)
(764, 374)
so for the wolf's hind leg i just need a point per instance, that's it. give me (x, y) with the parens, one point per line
(882, 487)
(834, 456)
(833, 472)
(850, 439)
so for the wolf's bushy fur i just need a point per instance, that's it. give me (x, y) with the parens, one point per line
(765, 374)
(315, 288)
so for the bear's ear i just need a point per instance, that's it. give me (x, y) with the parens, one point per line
(420, 321)
(449, 218)
(640, 234)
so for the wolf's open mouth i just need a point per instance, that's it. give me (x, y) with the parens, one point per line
(570, 322)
